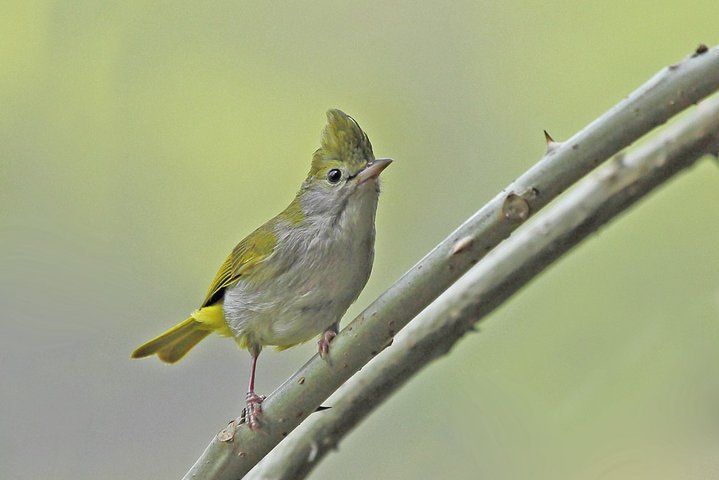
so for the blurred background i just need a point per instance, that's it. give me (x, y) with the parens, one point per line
(139, 142)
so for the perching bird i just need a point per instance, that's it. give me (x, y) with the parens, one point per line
(295, 276)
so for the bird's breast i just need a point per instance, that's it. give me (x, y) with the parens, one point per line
(318, 270)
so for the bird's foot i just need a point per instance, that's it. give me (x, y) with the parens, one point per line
(253, 411)
(324, 342)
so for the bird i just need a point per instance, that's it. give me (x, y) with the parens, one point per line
(294, 277)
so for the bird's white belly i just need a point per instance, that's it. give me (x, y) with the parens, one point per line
(313, 285)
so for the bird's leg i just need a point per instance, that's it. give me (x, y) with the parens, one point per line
(254, 408)
(327, 336)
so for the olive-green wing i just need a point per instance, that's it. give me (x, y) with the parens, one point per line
(249, 253)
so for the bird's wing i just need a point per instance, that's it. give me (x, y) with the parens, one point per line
(250, 252)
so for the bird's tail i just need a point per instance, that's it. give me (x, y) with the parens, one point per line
(172, 345)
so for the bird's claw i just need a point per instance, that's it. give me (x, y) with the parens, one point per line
(324, 342)
(253, 410)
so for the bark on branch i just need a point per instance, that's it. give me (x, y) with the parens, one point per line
(236, 449)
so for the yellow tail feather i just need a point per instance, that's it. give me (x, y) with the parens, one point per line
(172, 345)
(176, 350)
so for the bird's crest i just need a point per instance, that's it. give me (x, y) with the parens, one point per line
(342, 141)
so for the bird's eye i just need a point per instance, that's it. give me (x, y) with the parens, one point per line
(334, 176)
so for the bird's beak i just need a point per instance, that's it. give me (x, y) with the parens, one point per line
(373, 169)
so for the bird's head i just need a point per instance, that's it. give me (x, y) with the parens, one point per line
(344, 169)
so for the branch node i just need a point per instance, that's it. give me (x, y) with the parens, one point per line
(227, 434)
(461, 245)
(530, 194)
(701, 49)
(515, 208)
(314, 450)
(613, 167)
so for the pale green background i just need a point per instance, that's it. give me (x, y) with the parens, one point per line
(140, 141)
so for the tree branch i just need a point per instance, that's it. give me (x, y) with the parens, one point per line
(236, 449)
(595, 201)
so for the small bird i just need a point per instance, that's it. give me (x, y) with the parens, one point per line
(295, 276)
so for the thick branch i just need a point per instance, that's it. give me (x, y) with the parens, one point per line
(236, 449)
(595, 201)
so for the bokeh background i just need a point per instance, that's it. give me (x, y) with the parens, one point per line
(140, 141)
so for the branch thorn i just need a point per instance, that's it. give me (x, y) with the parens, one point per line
(548, 137)
(551, 143)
